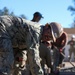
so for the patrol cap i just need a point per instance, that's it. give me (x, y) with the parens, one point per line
(56, 29)
(38, 14)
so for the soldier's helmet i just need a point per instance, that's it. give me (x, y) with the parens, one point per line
(56, 29)
(73, 36)
(38, 14)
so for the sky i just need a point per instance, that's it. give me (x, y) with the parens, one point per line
(52, 10)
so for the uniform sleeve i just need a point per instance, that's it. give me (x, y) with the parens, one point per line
(32, 41)
(61, 41)
(6, 55)
(64, 40)
(33, 50)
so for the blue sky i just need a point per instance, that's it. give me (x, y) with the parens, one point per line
(52, 10)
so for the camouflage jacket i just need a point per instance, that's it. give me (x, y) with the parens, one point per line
(20, 31)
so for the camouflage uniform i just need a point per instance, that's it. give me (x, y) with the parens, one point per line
(58, 48)
(72, 48)
(45, 55)
(14, 33)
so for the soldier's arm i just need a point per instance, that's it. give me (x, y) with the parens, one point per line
(32, 41)
(33, 50)
(64, 40)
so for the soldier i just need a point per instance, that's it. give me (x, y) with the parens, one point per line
(44, 50)
(58, 50)
(37, 17)
(46, 45)
(25, 69)
(72, 46)
(18, 33)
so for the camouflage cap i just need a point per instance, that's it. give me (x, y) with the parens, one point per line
(38, 14)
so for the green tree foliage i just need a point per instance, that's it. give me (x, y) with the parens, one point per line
(5, 11)
(72, 9)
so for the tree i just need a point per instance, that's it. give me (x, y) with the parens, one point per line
(72, 9)
(23, 16)
(5, 11)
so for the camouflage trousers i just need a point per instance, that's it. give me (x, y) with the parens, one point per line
(72, 50)
(20, 61)
(6, 57)
(21, 65)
